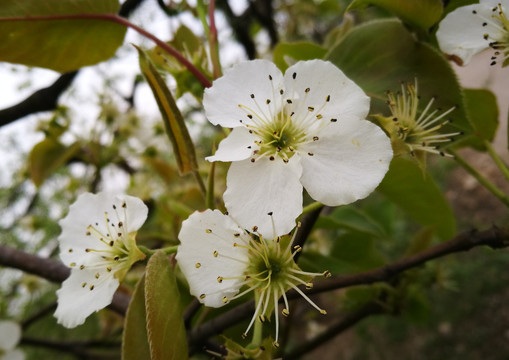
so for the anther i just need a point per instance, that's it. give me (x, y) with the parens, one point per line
(333, 120)
(197, 265)
(252, 96)
(255, 228)
(309, 286)
(108, 268)
(88, 233)
(82, 267)
(486, 36)
(97, 275)
(319, 116)
(310, 108)
(285, 312)
(294, 75)
(208, 231)
(493, 63)
(252, 160)
(270, 213)
(84, 284)
(484, 24)
(281, 92)
(261, 318)
(327, 98)
(114, 207)
(225, 299)
(275, 344)
(202, 296)
(116, 258)
(70, 250)
(474, 12)
(236, 234)
(289, 101)
(73, 264)
(91, 287)
(323, 312)
(244, 335)
(310, 154)
(271, 158)
(120, 224)
(327, 273)
(315, 138)
(220, 279)
(267, 101)
(307, 90)
(270, 77)
(87, 250)
(250, 116)
(112, 242)
(297, 248)
(215, 253)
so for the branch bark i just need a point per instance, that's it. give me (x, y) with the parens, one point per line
(495, 238)
(51, 270)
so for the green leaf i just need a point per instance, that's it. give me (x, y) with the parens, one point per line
(286, 54)
(135, 339)
(420, 241)
(173, 120)
(60, 45)
(47, 156)
(483, 113)
(416, 193)
(422, 13)
(165, 325)
(379, 55)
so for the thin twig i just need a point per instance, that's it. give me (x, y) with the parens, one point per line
(495, 238)
(341, 325)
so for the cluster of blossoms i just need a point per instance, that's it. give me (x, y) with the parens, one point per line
(305, 129)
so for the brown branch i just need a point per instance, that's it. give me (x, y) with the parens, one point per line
(46, 99)
(495, 238)
(51, 270)
(338, 327)
(77, 348)
(306, 225)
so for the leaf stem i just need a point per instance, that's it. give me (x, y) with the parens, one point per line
(311, 207)
(149, 252)
(482, 180)
(119, 20)
(496, 158)
(200, 182)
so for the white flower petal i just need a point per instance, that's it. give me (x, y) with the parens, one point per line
(234, 88)
(13, 355)
(90, 209)
(76, 299)
(348, 162)
(10, 334)
(462, 33)
(255, 189)
(239, 145)
(324, 81)
(201, 235)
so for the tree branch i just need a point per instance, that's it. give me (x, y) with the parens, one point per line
(495, 238)
(335, 329)
(51, 270)
(46, 99)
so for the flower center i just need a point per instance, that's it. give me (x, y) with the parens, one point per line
(418, 132)
(112, 249)
(283, 123)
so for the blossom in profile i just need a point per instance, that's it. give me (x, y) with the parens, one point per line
(98, 244)
(470, 29)
(221, 262)
(10, 334)
(304, 129)
(413, 131)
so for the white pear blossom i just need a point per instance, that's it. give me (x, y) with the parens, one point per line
(10, 334)
(98, 244)
(219, 258)
(470, 29)
(305, 128)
